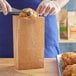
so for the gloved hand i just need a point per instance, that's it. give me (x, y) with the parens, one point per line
(5, 6)
(48, 7)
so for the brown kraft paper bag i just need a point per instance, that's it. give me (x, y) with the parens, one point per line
(28, 35)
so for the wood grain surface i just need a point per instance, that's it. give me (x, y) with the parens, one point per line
(7, 69)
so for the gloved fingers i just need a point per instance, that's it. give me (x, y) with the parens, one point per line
(57, 10)
(39, 8)
(3, 5)
(47, 11)
(9, 9)
(57, 7)
(54, 8)
(42, 7)
(48, 7)
(51, 11)
(41, 11)
(54, 12)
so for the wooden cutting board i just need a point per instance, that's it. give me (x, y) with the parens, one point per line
(9, 71)
(50, 68)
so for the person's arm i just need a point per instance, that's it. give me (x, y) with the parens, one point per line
(62, 3)
(5, 6)
(48, 7)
